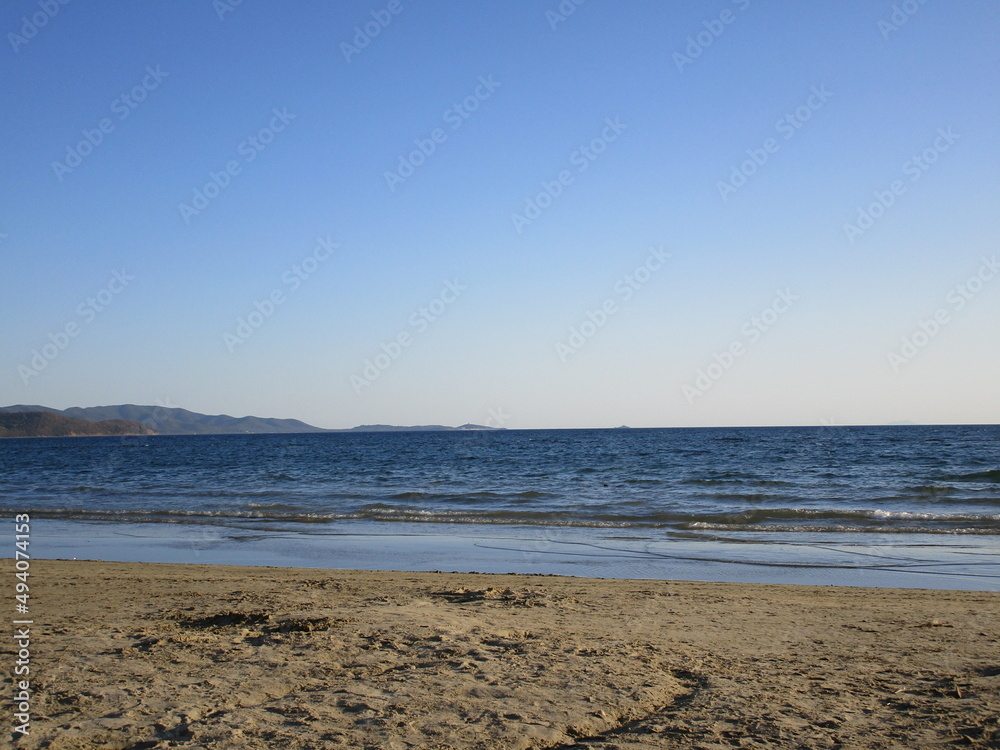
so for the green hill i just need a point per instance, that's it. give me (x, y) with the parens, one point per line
(174, 421)
(47, 424)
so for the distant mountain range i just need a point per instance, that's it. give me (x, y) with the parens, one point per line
(174, 421)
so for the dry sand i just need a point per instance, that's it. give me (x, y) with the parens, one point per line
(156, 656)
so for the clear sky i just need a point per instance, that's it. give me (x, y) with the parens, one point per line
(531, 214)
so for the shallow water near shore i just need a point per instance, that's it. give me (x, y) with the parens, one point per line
(902, 562)
(866, 506)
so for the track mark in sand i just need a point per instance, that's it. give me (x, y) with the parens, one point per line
(164, 737)
(225, 619)
(504, 596)
(655, 722)
(261, 618)
(305, 624)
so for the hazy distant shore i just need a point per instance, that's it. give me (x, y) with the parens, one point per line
(132, 419)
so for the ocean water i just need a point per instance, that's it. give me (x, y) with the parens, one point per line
(883, 506)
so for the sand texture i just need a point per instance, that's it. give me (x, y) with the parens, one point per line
(131, 656)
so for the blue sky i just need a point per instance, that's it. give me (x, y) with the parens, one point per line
(656, 214)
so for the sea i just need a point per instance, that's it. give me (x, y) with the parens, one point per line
(905, 506)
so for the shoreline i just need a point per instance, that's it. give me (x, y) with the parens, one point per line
(185, 655)
(942, 562)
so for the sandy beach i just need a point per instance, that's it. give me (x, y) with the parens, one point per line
(133, 656)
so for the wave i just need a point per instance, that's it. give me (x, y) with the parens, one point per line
(933, 490)
(761, 515)
(737, 479)
(754, 520)
(852, 521)
(485, 497)
(710, 482)
(844, 529)
(991, 475)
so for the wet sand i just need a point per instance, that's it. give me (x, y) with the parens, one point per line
(139, 655)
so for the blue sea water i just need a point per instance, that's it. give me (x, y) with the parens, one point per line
(879, 506)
